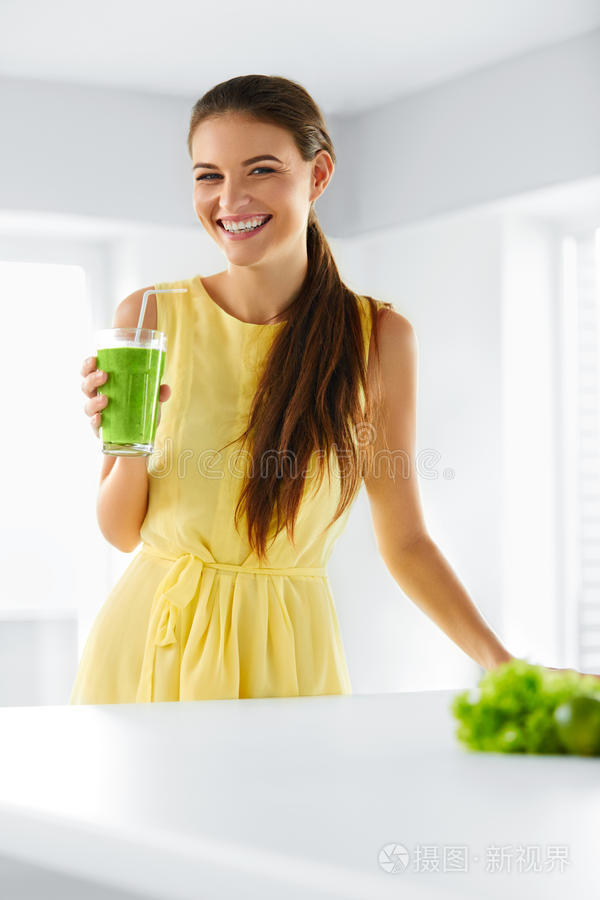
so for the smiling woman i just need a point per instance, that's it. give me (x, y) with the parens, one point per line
(274, 360)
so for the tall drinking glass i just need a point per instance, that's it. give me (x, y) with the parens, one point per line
(134, 361)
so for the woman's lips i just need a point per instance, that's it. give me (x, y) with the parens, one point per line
(244, 235)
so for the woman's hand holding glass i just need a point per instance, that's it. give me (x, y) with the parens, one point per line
(96, 402)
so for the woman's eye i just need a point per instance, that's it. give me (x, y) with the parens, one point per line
(258, 169)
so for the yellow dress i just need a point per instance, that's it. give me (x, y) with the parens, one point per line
(193, 616)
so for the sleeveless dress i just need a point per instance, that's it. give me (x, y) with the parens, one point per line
(193, 616)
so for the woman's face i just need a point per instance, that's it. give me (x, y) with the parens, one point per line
(229, 187)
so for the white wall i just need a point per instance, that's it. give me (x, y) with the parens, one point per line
(78, 150)
(518, 125)
(444, 276)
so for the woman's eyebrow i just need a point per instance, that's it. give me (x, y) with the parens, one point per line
(246, 162)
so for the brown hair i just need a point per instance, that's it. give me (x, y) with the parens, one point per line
(309, 397)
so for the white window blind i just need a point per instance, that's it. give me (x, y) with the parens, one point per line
(580, 337)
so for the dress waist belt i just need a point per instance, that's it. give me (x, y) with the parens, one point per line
(176, 590)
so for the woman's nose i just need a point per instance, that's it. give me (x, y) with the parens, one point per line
(232, 194)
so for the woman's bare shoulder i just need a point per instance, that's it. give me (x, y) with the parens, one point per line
(395, 336)
(392, 330)
(392, 325)
(127, 312)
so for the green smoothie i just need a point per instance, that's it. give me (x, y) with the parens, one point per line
(132, 386)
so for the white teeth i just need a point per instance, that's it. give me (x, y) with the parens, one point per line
(247, 225)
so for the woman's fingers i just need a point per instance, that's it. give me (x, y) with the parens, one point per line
(94, 409)
(89, 365)
(92, 378)
(96, 422)
(163, 394)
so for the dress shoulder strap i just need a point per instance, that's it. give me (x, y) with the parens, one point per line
(173, 310)
(174, 317)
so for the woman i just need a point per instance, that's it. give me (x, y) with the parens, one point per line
(275, 353)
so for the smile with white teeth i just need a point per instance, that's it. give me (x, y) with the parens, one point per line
(246, 225)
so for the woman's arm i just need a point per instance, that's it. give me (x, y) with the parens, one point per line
(123, 501)
(410, 554)
(424, 574)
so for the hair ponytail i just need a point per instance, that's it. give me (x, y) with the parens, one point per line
(312, 396)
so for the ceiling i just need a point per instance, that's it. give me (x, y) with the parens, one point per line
(351, 56)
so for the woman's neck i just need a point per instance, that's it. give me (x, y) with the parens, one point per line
(258, 295)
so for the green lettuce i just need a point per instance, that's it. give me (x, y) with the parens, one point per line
(511, 709)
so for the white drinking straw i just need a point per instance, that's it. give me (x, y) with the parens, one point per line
(145, 300)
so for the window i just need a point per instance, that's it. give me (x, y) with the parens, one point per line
(580, 451)
(56, 566)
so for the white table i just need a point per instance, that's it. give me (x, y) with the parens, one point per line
(288, 799)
